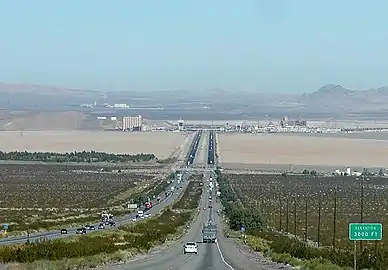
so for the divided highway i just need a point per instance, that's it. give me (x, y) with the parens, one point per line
(211, 149)
(194, 149)
(209, 254)
(120, 219)
(222, 255)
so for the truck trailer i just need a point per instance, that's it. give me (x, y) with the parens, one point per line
(209, 233)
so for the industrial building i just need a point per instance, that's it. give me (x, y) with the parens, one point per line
(285, 122)
(132, 123)
(180, 124)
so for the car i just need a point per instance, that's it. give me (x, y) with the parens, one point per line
(134, 219)
(101, 226)
(112, 223)
(87, 227)
(190, 247)
(80, 231)
(204, 208)
(210, 206)
(92, 228)
(64, 231)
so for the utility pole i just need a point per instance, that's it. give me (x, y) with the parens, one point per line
(280, 213)
(305, 220)
(295, 232)
(287, 204)
(363, 178)
(334, 216)
(319, 219)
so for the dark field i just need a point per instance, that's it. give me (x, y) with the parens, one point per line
(338, 195)
(31, 193)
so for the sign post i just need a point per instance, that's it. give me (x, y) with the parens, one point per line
(243, 231)
(5, 228)
(364, 232)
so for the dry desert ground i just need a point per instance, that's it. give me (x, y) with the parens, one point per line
(162, 144)
(279, 149)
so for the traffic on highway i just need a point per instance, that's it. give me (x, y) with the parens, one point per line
(199, 249)
(165, 198)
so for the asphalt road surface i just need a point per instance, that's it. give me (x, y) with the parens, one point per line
(119, 220)
(223, 255)
(209, 255)
(201, 156)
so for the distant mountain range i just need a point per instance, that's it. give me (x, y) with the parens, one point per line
(329, 99)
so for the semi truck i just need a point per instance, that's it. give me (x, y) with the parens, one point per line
(209, 233)
(106, 218)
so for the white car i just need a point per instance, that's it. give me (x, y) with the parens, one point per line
(190, 247)
(134, 219)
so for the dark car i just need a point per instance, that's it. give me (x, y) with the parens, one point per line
(92, 228)
(101, 226)
(63, 231)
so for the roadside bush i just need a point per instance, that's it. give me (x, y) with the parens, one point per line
(236, 213)
(84, 156)
(190, 198)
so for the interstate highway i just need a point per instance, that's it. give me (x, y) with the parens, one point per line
(54, 234)
(223, 255)
(209, 254)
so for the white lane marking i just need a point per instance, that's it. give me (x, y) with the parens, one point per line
(222, 257)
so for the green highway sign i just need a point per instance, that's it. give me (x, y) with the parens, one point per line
(365, 231)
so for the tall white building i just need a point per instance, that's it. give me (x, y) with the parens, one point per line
(132, 122)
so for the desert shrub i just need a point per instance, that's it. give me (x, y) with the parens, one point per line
(84, 156)
(141, 236)
(283, 248)
(190, 198)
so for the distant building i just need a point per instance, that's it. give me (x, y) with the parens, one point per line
(132, 123)
(180, 124)
(285, 122)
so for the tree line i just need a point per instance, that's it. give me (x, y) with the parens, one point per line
(84, 156)
(238, 214)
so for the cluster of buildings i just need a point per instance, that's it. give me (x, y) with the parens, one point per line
(105, 105)
(129, 123)
(350, 172)
(285, 122)
(284, 125)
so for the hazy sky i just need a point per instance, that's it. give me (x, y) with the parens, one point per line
(262, 45)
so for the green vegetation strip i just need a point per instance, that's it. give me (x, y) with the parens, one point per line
(83, 156)
(282, 248)
(191, 196)
(101, 247)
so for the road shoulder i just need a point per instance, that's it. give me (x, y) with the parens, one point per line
(242, 257)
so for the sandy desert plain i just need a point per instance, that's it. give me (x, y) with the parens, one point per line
(253, 151)
(161, 144)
